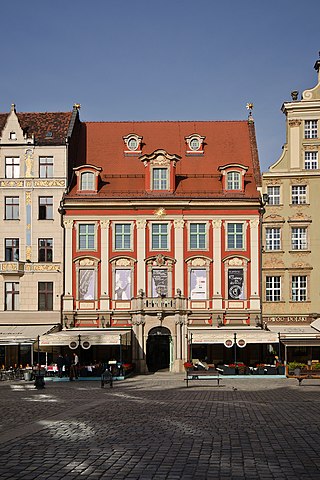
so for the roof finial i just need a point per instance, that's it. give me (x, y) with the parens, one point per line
(77, 106)
(13, 107)
(294, 95)
(249, 107)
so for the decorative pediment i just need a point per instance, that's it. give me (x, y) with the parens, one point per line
(274, 218)
(274, 263)
(233, 261)
(300, 217)
(87, 261)
(198, 261)
(160, 261)
(159, 158)
(123, 261)
(300, 265)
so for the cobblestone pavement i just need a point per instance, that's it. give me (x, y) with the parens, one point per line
(153, 427)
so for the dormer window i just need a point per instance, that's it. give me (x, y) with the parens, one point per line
(87, 178)
(233, 181)
(194, 144)
(87, 181)
(13, 136)
(160, 171)
(233, 177)
(132, 144)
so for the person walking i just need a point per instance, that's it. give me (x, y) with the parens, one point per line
(60, 363)
(67, 364)
(74, 369)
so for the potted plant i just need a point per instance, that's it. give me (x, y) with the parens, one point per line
(296, 368)
(261, 369)
(229, 369)
(188, 366)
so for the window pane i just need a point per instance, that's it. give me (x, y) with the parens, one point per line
(86, 284)
(159, 282)
(122, 284)
(198, 284)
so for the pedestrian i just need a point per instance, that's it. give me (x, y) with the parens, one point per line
(60, 363)
(74, 369)
(67, 364)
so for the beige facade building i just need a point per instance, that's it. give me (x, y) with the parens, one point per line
(35, 149)
(291, 262)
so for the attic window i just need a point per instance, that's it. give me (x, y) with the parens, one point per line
(13, 136)
(49, 134)
(194, 144)
(132, 143)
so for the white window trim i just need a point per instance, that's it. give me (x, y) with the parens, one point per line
(93, 189)
(308, 132)
(273, 289)
(299, 238)
(300, 195)
(274, 196)
(239, 181)
(119, 222)
(84, 222)
(159, 167)
(300, 289)
(12, 166)
(309, 162)
(244, 225)
(273, 239)
(169, 224)
(206, 233)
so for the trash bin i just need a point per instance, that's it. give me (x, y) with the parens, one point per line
(27, 376)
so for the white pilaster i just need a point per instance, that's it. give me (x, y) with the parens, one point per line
(141, 253)
(105, 294)
(217, 296)
(254, 264)
(68, 296)
(178, 253)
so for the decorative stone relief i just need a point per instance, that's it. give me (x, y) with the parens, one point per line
(141, 223)
(217, 223)
(29, 163)
(300, 217)
(294, 123)
(273, 262)
(123, 262)
(254, 223)
(68, 223)
(49, 183)
(11, 183)
(86, 262)
(273, 217)
(236, 261)
(179, 223)
(28, 198)
(104, 223)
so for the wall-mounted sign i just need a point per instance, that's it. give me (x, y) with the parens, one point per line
(73, 345)
(86, 345)
(228, 343)
(241, 343)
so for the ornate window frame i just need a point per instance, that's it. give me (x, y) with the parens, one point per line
(201, 264)
(77, 230)
(88, 263)
(160, 262)
(233, 168)
(79, 171)
(191, 142)
(128, 140)
(122, 263)
(164, 160)
(236, 263)
(122, 222)
(244, 230)
(206, 233)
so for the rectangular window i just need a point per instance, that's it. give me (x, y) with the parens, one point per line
(122, 284)
(159, 236)
(87, 181)
(45, 167)
(45, 208)
(12, 296)
(299, 238)
(235, 236)
(273, 238)
(12, 249)
(198, 284)
(311, 160)
(122, 236)
(12, 167)
(12, 208)
(233, 181)
(274, 195)
(45, 250)
(299, 288)
(45, 296)
(298, 194)
(86, 236)
(87, 284)
(197, 236)
(160, 179)
(159, 282)
(273, 289)
(310, 129)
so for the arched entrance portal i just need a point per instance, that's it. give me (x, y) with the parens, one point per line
(158, 349)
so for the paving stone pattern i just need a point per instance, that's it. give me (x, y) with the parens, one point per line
(153, 427)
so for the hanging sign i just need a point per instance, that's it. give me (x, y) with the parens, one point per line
(228, 343)
(86, 345)
(73, 345)
(241, 343)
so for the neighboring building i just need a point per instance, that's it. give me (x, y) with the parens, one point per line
(162, 245)
(291, 262)
(34, 152)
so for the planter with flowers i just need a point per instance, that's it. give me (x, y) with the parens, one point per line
(188, 366)
(229, 369)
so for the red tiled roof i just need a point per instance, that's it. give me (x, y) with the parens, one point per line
(40, 123)
(226, 142)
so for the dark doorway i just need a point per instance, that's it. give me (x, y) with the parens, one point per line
(158, 349)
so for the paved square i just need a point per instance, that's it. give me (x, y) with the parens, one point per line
(153, 427)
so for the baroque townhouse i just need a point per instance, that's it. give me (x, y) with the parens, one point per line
(291, 262)
(162, 245)
(34, 151)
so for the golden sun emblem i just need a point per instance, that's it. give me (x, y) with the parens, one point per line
(160, 212)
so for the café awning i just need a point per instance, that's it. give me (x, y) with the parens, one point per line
(297, 336)
(93, 337)
(13, 334)
(216, 336)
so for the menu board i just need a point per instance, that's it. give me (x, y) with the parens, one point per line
(235, 284)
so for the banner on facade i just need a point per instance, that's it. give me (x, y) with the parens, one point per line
(235, 284)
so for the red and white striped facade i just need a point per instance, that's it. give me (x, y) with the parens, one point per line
(162, 229)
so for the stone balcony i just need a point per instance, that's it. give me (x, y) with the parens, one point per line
(157, 304)
(12, 268)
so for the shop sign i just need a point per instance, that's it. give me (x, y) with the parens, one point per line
(241, 343)
(289, 319)
(228, 343)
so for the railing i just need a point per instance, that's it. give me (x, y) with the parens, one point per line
(158, 303)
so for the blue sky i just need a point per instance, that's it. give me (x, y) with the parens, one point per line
(161, 60)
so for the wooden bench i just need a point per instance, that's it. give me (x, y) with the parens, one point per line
(193, 375)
